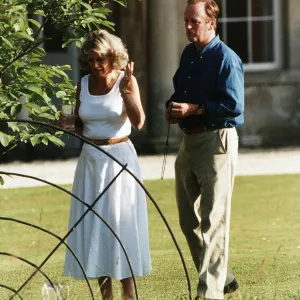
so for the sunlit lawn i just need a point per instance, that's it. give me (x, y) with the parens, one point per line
(264, 246)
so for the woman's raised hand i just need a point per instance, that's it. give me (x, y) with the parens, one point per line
(125, 82)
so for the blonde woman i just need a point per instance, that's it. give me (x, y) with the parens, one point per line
(107, 105)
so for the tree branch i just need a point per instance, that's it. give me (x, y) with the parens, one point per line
(25, 51)
(4, 70)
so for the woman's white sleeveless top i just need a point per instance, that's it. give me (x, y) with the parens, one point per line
(103, 116)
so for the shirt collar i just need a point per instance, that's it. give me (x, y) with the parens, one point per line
(211, 44)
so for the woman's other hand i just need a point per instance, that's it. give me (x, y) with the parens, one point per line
(125, 82)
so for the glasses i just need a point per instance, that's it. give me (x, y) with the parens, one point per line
(59, 291)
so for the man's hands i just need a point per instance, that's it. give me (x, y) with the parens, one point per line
(169, 118)
(177, 111)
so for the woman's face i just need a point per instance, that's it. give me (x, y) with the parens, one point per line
(100, 65)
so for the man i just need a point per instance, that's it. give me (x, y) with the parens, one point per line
(208, 103)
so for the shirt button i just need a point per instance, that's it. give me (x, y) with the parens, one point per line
(201, 57)
(192, 62)
(185, 92)
(189, 77)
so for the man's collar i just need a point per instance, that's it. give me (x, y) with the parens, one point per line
(210, 45)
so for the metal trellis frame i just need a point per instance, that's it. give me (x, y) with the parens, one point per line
(89, 208)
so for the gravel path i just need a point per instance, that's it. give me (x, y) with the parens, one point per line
(251, 162)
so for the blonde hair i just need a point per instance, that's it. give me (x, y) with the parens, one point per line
(211, 9)
(104, 43)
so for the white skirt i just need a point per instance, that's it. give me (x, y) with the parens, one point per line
(123, 207)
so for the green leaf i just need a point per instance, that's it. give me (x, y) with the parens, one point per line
(35, 59)
(34, 22)
(53, 108)
(32, 107)
(108, 24)
(29, 31)
(25, 137)
(35, 88)
(3, 115)
(68, 42)
(23, 35)
(34, 139)
(13, 126)
(39, 12)
(40, 51)
(61, 94)
(60, 72)
(87, 6)
(66, 67)
(45, 97)
(45, 140)
(59, 133)
(47, 116)
(102, 10)
(100, 15)
(78, 43)
(6, 41)
(121, 2)
(1, 180)
(57, 114)
(5, 139)
(56, 141)
(44, 109)
(4, 98)
(13, 110)
(16, 27)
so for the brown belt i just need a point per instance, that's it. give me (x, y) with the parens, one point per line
(198, 129)
(110, 141)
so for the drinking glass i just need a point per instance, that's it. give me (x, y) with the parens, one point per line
(69, 116)
(59, 292)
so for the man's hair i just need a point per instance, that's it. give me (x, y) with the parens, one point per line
(211, 8)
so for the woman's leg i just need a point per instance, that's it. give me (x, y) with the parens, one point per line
(128, 288)
(105, 284)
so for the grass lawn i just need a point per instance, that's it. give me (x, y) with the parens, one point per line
(264, 245)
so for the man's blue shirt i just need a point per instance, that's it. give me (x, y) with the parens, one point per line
(213, 78)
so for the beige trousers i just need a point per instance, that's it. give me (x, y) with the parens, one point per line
(204, 172)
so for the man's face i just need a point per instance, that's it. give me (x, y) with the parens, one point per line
(199, 28)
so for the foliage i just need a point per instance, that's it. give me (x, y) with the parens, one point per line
(27, 83)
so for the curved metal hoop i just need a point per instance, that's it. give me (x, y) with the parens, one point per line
(56, 236)
(10, 289)
(90, 207)
(29, 263)
(124, 167)
(74, 226)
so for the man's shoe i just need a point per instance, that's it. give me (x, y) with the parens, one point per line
(231, 287)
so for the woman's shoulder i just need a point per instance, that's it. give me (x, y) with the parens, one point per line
(84, 81)
(84, 78)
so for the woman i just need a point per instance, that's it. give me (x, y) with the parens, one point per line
(107, 105)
